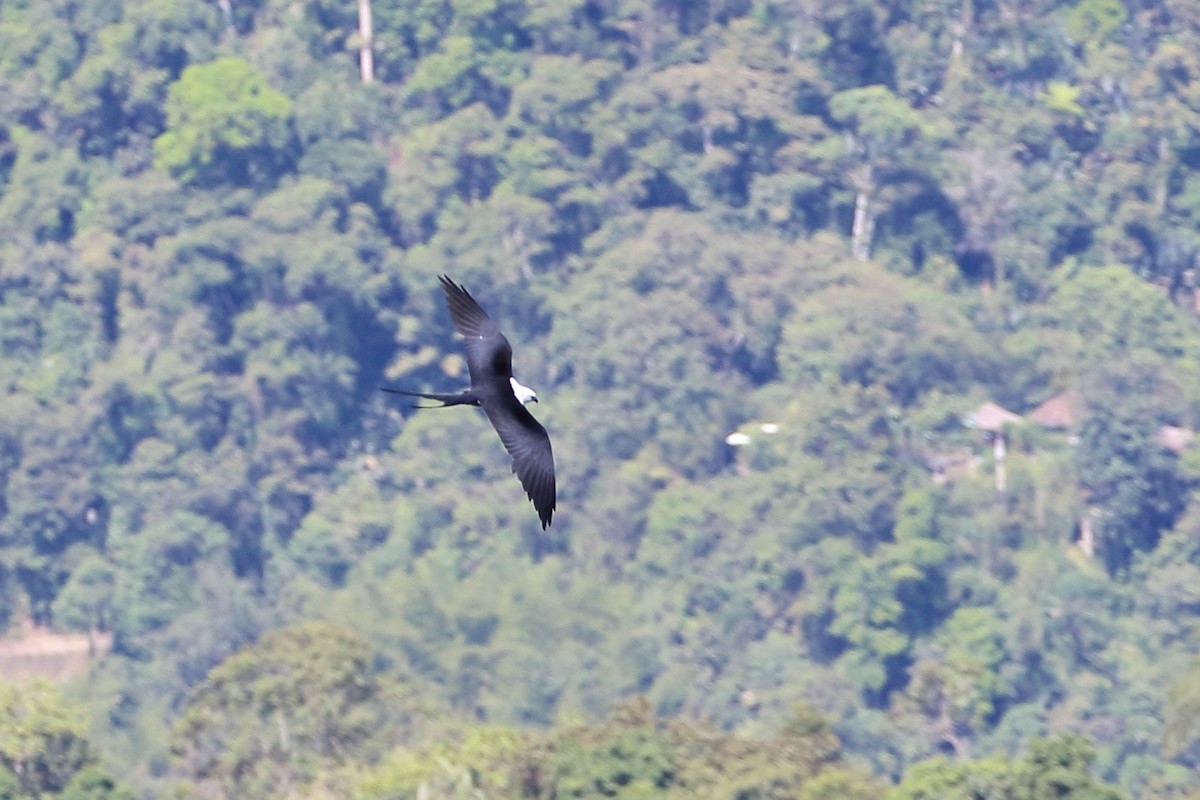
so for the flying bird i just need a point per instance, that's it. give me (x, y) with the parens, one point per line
(501, 396)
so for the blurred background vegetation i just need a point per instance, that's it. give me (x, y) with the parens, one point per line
(838, 228)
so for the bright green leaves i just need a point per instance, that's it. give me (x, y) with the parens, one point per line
(871, 328)
(307, 689)
(42, 739)
(439, 72)
(880, 121)
(1058, 767)
(479, 760)
(1063, 98)
(1182, 714)
(42, 195)
(45, 752)
(86, 600)
(477, 59)
(1111, 310)
(956, 686)
(454, 158)
(225, 124)
(880, 153)
(871, 608)
(333, 125)
(163, 565)
(1095, 20)
(631, 764)
(629, 754)
(338, 532)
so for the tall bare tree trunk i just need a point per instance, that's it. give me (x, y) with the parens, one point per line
(999, 450)
(366, 33)
(961, 30)
(860, 234)
(226, 7)
(1087, 532)
(864, 216)
(863, 226)
(1162, 191)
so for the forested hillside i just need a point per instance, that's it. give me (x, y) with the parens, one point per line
(837, 228)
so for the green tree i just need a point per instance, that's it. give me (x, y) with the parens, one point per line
(85, 602)
(45, 750)
(1132, 479)
(927, 343)
(1057, 767)
(93, 783)
(273, 715)
(626, 759)
(878, 154)
(1182, 714)
(43, 741)
(225, 124)
(957, 686)
(42, 191)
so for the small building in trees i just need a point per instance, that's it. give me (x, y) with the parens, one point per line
(1061, 412)
(1174, 438)
(992, 419)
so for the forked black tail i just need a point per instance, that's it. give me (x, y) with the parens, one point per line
(446, 400)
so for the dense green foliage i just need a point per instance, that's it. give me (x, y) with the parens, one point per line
(45, 753)
(852, 220)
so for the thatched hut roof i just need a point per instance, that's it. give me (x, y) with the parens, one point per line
(991, 417)
(1175, 439)
(1062, 411)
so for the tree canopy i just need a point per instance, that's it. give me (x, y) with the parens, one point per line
(836, 230)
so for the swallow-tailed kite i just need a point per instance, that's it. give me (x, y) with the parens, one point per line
(501, 396)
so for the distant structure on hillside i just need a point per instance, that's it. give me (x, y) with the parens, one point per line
(1061, 412)
(993, 419)
(1174, 438)
(739, 440)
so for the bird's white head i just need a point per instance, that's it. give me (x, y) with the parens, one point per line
(524, 394)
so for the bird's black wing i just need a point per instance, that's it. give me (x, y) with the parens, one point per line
(489, 358)
(529, 445)
(489, 355)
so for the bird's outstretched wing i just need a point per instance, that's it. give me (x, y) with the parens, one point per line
(469, 317)
(489, 355)
(529, 445)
